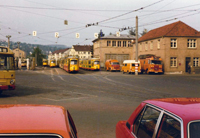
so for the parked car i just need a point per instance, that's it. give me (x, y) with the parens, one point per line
(36, 121)
(112, 65)
(163, 118)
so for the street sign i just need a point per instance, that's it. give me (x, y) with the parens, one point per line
(118, 34)
(77, 35)
(65, 22)
(56, 34)
(34, 33)
(95, 35)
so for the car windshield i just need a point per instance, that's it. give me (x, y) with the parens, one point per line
(96, 62)
(194, 130)
(73, 62)
(53, 61)
(6, 62)
(115, 63)
(155, 62)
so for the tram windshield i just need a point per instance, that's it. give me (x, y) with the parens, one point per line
(73, 62)
(96, 62)
(7, 62)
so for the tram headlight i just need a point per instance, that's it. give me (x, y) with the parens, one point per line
(12, 82)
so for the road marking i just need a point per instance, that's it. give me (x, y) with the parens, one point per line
(52, 75)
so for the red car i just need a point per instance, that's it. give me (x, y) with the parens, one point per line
(163, 118)
(36, 121)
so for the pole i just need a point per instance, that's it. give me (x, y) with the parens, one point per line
(136, 47)
(8, 36)
(18, 51)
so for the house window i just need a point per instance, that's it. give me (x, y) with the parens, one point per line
(108, 43)
(119, 43)
(151, 45)
(173, 43)
(195, 61)
(129, 43)
(173, 61)
(191, 43)
(124, 43)
(146, 46)
(140, 46)
(113, 43)
(158, 44)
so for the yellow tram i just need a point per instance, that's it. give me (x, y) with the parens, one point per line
(7, 69)
(90, 64)
(52, 63)
(44, 62)
(71, 64)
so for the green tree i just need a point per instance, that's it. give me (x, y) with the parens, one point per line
(132, 32)
(38, 53)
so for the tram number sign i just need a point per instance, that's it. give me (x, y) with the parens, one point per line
(56, 34)
(118, 34)
(77, 35)
(95, 35)
(34, 33)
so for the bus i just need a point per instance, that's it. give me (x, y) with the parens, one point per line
(71, 64)
(7, 69)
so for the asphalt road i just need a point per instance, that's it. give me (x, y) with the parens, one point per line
(97, 100)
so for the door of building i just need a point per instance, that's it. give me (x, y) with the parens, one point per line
(187, 61)
(119, 57)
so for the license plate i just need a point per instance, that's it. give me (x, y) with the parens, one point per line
(156, 72)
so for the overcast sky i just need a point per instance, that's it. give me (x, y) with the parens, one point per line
(19, 18)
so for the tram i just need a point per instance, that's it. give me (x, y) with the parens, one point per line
(7, 69)
(52, 63)
(90, 64)
(44, 62)
(71, 64)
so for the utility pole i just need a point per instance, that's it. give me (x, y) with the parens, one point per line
(18, 64)
(136, 47)
(18, 48)
(8, 36)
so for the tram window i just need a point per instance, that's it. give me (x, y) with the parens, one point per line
(73, 62)
(6, 63)
(96, 62)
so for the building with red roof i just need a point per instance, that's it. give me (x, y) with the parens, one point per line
(177, 44)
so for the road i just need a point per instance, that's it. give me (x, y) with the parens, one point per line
(97, 100)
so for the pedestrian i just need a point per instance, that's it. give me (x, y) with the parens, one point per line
(189, 67)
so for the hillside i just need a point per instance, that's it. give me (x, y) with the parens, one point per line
(29, 47)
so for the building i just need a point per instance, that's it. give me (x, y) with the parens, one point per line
(177, 44)
(113, 47)
(58, 54)
(83, 51)
(19, 53)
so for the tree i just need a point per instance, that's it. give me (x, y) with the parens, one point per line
(132, 32)
(38, 53)
(144, 32)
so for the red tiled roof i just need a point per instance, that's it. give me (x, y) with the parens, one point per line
(83, 47)
(60, 51)
(177, 29)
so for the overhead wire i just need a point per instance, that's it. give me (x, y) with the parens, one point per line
(130, 12)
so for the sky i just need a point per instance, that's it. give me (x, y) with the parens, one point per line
(19, 18)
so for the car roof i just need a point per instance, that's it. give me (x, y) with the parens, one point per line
(33, 119)
(186, 108)
(131, 61)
